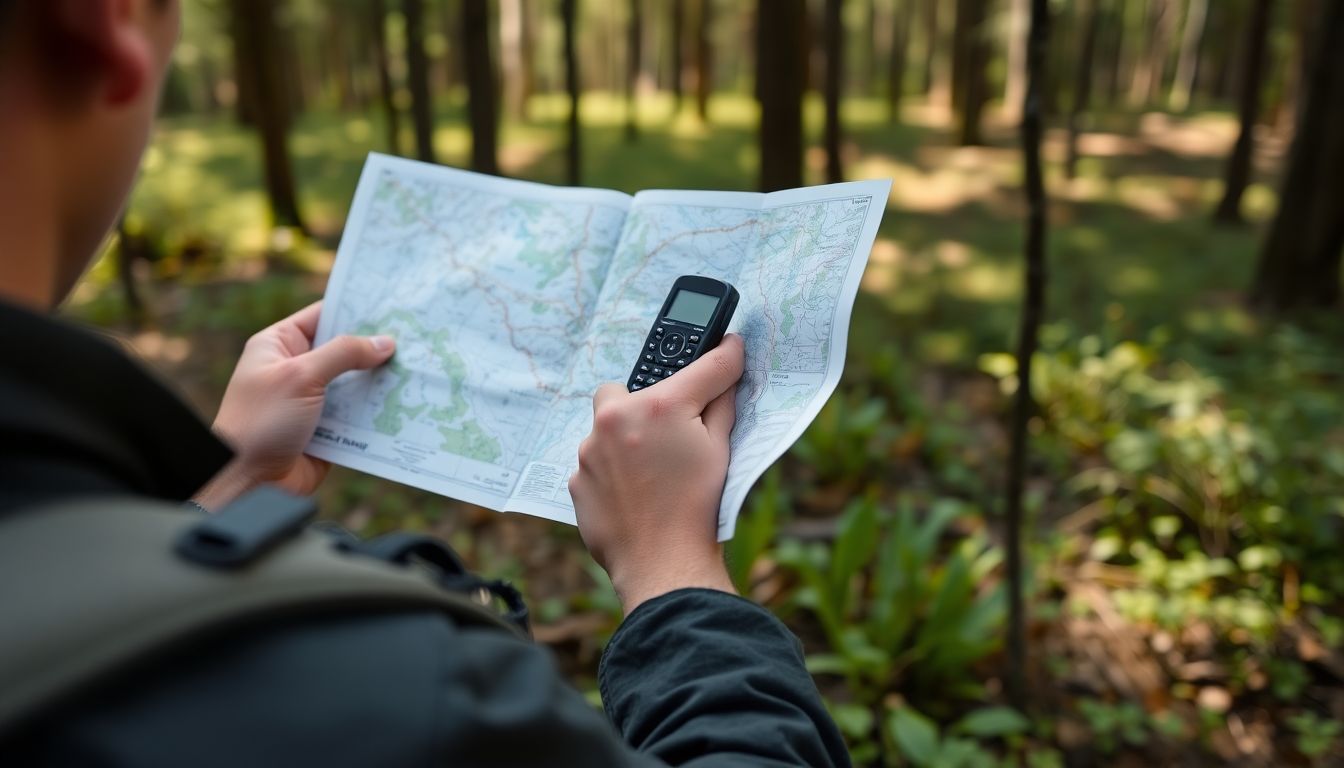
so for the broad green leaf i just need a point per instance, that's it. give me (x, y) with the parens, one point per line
(855, 720)
(856, 540)
(992, 722)
(828, 664)
(915, 734)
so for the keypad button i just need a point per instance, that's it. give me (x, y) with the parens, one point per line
(681, 363)
(665, 360)
(694, 339)
(651, 381)
(657, 371)
(648, 358)
(635, 387)
(659, 330)
(643, 368)
(640, 377)
(653, 345)
(672, 344)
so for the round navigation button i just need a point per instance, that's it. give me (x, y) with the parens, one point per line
(671, 345)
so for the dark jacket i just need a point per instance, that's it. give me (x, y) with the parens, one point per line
(694, 677)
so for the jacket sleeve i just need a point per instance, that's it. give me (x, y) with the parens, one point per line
(703, 678)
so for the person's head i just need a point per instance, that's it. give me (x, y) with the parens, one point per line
(79, 86)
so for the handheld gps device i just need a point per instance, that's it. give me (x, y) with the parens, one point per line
(692, 321)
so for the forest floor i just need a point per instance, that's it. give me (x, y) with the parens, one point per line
(1133, 260)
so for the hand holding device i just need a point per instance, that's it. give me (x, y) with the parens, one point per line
(651, 476)
(693, 319)
(273, 401)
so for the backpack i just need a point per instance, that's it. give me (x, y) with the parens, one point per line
(94, 586)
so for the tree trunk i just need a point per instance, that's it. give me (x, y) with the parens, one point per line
(1082, 84)
(970, 57)
(633, 54)
(244, 69)
(417, 76)
(678, 8)
(386, 93)
(1149, 73)
(834, 77)
(704, 58)
(1015, 79)
(569, 18)
(931, 38)
(482, 110)
(1300, 262)
(1033, 309)
(1114, 51)
(259, 43)
(1188, 64)
(901, 19)
(130, 249)
(511, 56)
(1248, 109)
(779, 82)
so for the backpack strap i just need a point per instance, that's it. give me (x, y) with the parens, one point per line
(93, 586)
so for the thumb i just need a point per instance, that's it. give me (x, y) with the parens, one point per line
(347, 353)
(720, 415)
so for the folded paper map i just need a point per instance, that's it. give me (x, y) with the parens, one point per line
(511, 302)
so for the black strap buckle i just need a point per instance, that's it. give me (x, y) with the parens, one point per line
(448, 569)
(246, 529)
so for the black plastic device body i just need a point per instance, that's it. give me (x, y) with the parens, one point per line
(692, 321)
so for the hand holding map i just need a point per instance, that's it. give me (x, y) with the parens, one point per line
(511, 302)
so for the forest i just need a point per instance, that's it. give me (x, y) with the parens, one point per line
(1079, 498)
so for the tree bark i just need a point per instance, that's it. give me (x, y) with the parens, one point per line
(633, 54)
(482, 109)
(678, 9)
(901, 18)
(1015, 79)
(1082, 88)
(1248, 109)
(1300, 262)
(417, 76)
(386, 93)
(779, 82)
(511, 57)
(1033, 309)
(704, 58)
(931, 38)
(1188, 64)
(834, 77)
(970, 57)
(569, 17)
(1150, 71)
(259, 43)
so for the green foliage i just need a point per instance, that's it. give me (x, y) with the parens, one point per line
(896, 611)
(756, 527)
(1316, 735)
(918, 739)
(1115, 724)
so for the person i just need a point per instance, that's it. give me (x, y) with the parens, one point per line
(695, 675)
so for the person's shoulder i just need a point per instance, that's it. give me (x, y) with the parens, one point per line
(335, 690)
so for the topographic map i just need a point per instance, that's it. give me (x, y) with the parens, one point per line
(511, 302)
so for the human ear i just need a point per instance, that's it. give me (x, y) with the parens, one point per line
(116, 49)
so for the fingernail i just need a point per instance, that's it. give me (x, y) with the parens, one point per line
(382, 343)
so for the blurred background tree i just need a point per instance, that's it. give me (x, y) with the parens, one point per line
(1181, 471)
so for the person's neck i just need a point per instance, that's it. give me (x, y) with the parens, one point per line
(30, 230)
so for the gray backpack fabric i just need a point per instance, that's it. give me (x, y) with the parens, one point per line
(92, 587)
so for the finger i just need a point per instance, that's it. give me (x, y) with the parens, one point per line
(708, 377)
(296, 331)
(347, 353)
(306, 319)
(720, 415)
(611, 391)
